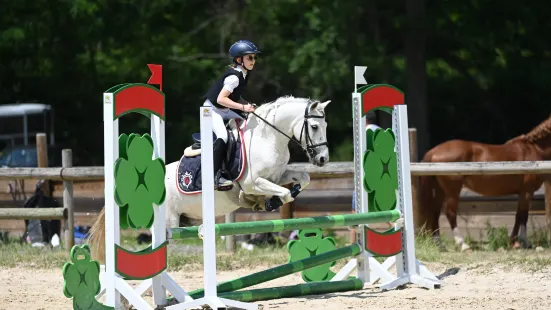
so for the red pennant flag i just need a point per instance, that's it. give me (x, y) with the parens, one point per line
(156, 75)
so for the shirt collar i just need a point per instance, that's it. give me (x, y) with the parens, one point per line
(240, 69)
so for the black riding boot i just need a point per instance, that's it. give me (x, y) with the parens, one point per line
(219, 154)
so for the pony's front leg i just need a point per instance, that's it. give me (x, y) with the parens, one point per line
(300, 181)
(280, 195)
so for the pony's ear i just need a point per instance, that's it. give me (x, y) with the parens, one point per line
(313, 106)
(319, 105)
(324, 104)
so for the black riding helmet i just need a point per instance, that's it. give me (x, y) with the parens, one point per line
(242, 48)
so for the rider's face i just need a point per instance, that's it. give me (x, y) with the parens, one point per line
(249, 61)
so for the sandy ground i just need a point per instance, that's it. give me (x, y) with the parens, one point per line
(481, 286)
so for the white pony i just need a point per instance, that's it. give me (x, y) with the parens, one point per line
(267, 133)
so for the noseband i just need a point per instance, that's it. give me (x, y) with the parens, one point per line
(310, 147)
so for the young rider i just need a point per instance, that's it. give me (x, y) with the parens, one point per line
(225, 98)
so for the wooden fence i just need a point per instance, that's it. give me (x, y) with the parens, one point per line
(65, 213)
(330, 170)
(68, 174)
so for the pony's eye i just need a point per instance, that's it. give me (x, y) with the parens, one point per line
(315, 127)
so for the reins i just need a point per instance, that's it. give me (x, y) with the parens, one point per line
(310, 148)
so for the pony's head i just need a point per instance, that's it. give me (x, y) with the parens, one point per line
(312, 132)
(304, 120)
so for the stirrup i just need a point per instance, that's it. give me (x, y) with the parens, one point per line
(222, 186)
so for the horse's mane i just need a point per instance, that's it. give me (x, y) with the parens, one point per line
(540, 132)
(264, 109)
(537, 134)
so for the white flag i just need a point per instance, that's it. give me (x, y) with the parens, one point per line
(359, 75)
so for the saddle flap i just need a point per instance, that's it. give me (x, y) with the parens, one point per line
(231, 147)
(232, 161)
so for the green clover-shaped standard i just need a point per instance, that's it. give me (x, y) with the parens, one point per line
(82, 282)
(381, 169)
(311, 243)
(139, 181)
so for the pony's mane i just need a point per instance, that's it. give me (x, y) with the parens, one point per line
(267, 107)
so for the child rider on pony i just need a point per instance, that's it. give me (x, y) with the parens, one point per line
(225, 98)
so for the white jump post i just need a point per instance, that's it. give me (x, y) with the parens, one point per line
(113, 283)
(408, 268)
(150, 264)
(207, 229)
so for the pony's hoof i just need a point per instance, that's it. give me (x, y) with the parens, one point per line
(295, 190)
(522, 245)
(273, 203)
(466, 248)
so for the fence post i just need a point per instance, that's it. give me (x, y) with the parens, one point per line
(418, 218)
(67, 162)
(42, 160)
(547, 188)
(230, 240)
(286, 211)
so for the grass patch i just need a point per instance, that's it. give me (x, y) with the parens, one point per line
(23, 255)
(186, 255)
(227, 261)
(497, 237)
(496, 251)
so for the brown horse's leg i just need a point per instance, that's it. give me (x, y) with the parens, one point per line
(435, 215)
(521, 221)
(452, 189)
(430, 206)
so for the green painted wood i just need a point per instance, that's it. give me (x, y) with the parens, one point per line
(311, 243)
(255, 227)
(282, 270)
(311, 288)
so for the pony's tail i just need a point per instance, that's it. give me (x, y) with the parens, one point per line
(96, 240)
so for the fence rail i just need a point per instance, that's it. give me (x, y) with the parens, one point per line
(331, 170)
(346, 169)
(68, 174)
(33, 214)
(54, 174)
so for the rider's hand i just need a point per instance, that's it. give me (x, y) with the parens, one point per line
(248, 108)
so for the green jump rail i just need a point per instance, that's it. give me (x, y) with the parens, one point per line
(240, 228)
(311, 288)
(282, 270)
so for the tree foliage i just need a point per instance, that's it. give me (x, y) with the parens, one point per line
(487, 62)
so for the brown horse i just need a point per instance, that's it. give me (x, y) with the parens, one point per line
(437, 191)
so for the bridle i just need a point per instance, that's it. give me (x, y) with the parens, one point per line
(310, 147)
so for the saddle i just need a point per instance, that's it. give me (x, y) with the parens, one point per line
(189, 167)
(231, 145)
